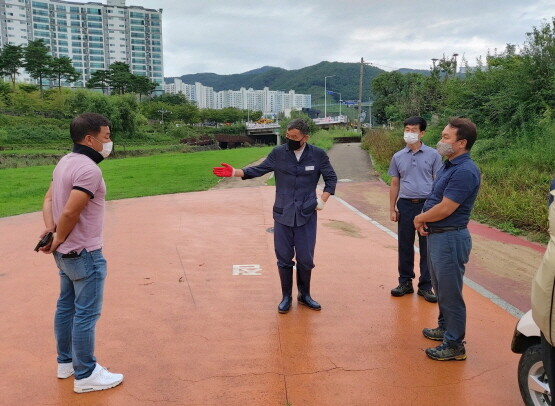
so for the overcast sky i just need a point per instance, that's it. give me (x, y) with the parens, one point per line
(234, 36)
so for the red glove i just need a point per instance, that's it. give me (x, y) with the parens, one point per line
(225, 172)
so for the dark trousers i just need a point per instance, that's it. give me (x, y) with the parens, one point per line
(406, 232)
(447, 256)
(548, 358)
(299, 243)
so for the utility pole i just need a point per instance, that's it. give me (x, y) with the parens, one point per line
(359, 128)
(326, 94)
(455, 64)
(370, 102)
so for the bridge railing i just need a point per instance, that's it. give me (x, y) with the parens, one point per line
(254, 126)
(331, 120)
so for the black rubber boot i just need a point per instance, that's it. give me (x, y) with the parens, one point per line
(303, 284)
(286, 278)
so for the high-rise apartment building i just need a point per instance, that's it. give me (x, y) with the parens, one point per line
(265, 100)
(93, 35)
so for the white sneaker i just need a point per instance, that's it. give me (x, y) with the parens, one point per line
(65, 370)
(100, 379)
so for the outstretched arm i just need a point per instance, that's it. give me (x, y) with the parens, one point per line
(227, 171)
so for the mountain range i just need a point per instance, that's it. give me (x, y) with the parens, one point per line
(309, 80)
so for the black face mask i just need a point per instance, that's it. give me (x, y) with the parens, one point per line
(293, 145)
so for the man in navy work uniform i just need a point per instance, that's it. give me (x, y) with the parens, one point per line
(412, 170)
(297, 167)
(445, 219)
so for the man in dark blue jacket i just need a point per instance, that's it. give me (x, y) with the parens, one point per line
(297, 167)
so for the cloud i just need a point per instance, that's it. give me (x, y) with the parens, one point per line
(233, 37)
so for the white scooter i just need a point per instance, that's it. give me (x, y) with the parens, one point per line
(532, 379)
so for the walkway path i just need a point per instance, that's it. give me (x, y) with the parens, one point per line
(501, 263)
(190, 313)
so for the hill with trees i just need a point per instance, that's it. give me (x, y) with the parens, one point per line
(308, 80)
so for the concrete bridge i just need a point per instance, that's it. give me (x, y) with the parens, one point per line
(329, 122)
(271, 130)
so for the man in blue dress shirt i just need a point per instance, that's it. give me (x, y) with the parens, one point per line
(297, 167)
(444, 220)
(412, 170)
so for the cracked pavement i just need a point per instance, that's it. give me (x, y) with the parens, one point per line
(184, 330)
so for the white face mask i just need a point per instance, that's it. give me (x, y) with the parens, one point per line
(410, 138)
(106, 148)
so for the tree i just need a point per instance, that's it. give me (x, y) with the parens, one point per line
(171, 98)
(120, 78)
(99, 79)
(126, 119)
(62, 68)
(38, 61)
(11, 59)
(142, 85)
(187, 112)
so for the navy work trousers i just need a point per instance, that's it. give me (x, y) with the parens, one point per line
(299, 243)
(406, 232)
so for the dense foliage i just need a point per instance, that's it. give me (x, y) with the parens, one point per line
(26, 118)
(512, 90)
(511, 98)
(35, 57)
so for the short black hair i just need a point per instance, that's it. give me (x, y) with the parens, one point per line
(466, 130)
(87, 123)
(415, 120)
(299, 124)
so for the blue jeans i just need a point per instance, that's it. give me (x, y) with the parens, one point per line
(78, 309)
(406, 232)
(448, 254)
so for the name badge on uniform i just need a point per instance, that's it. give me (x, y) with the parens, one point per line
(309, 168)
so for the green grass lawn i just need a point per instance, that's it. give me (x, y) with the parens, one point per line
(62, 149)
(48, 151)
(22, 189)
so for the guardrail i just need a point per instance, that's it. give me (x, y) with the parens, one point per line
(331, 120)
(254, 126)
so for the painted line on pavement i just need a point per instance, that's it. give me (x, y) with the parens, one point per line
(470, 283)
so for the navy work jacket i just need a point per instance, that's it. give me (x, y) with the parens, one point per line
(296, 181)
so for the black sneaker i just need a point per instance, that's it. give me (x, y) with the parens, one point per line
(402, 289)
(446, 352)
(428, 295)
(434, 333)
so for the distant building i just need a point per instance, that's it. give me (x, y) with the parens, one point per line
(93, 35)
(265, 100)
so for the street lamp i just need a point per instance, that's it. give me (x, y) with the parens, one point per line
(340, 99)
(162, 111)
(326, 94)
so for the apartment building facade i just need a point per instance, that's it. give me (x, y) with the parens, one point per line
(93, 35)
(265, 100)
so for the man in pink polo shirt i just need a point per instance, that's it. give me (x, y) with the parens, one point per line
(73, 211)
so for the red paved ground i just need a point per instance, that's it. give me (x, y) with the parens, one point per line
(185, 331)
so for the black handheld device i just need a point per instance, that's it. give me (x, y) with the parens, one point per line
(44, 241)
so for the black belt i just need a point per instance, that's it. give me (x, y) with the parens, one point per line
(437, 230)
(413, 200)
